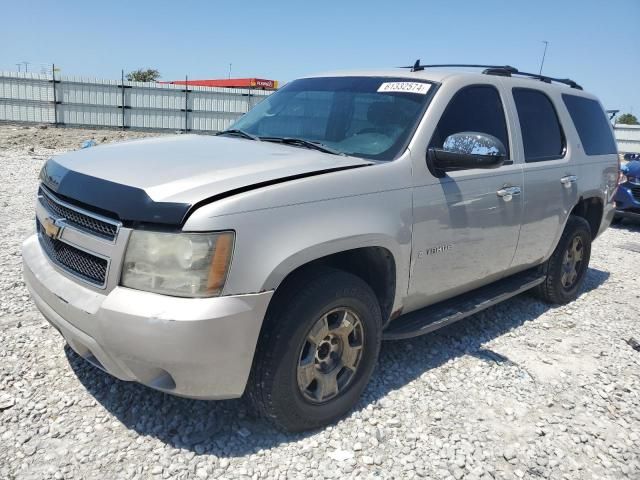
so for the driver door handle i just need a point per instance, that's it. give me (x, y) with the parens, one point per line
(568, 180)
(507, 193)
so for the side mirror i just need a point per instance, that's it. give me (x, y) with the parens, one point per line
(464, 151)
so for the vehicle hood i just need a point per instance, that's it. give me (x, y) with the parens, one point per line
(159, 180)
(632, 168)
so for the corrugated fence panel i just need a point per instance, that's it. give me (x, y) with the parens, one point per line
(219, 102)
(28, 89)
(153, 119)
(162, 98)
(28, 97)
(89, 94)
(206, 122)
(628, 138)
(99, 116)
(25, 111)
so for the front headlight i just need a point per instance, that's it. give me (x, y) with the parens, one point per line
(179, 264)
(622, 178)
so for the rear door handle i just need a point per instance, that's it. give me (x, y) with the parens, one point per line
(507, 193)
(568, 180)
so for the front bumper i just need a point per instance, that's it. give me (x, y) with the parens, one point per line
(627, 204)
(197, 348)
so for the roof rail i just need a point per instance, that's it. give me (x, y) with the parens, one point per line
(501, 70)
(544, 78)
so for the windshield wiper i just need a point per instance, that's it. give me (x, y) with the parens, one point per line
(303, 143)
(239, 133)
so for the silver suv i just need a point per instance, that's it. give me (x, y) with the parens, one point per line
(345, 209)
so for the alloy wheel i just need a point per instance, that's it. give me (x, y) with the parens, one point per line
(572, 262)
(330, 355)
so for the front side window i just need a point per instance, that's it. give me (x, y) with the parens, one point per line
(476, 108)
(542, 135)
(371, 117)
(592, 125)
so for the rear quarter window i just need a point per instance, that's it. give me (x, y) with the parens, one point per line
(592, 125)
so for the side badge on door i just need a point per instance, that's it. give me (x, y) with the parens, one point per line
(435, 250)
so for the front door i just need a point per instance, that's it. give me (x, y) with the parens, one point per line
(466, 225)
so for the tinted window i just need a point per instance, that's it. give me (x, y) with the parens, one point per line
(473, 109)
(355, 115)
(306, 115)
(541, 132)
(592, 125)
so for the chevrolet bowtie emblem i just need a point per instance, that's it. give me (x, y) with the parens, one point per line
(52, 228)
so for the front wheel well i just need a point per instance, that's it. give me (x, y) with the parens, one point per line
(375, 265)
(591, 209)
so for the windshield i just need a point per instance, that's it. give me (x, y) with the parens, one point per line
(371, 117)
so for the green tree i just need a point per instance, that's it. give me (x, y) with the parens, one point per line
(144, 75)
(628, 119)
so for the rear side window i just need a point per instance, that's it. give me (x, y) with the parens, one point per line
(542, 135)
(592, 125)
(476, 108)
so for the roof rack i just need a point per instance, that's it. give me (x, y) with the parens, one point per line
(501, 70)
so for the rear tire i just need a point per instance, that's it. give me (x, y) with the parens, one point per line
(318, 348)
(567, 267)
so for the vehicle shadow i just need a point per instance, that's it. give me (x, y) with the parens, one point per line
(628, 224)
(226, 429)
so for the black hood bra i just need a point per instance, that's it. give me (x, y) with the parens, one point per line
(132, 205)
(122, 202)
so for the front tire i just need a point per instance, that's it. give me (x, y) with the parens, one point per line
(317, 351)
(567, 267)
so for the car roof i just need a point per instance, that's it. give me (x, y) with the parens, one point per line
(440, 75)
(431, 75)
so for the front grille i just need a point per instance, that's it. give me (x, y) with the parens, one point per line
(78, 219)
(635, 191)
(82, 264)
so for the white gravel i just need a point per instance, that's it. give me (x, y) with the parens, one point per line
(522, 390)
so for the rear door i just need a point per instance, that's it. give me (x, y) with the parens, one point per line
(551, 173)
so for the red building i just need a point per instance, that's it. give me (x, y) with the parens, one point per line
(259, 83)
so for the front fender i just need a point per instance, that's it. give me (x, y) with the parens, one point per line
(272, 242)
(337, 245)
(282, 227)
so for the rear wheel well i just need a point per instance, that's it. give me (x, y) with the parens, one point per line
(375, 265)
(591, 209)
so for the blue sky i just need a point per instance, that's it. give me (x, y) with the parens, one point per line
(595, 42)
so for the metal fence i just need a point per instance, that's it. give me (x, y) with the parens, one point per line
(33, 97)
(628, 138)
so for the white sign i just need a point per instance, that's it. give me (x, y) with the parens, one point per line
(405, 87)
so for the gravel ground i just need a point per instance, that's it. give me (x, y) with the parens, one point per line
(522, 390)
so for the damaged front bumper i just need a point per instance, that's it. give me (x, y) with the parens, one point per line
(191, 347)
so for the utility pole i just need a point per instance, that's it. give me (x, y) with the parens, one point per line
(19, 65)
(543, 55)
(229, 70)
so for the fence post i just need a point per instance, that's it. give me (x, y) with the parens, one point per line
(186, 103)
(122, 83)
(123, 106)
(55, 97)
